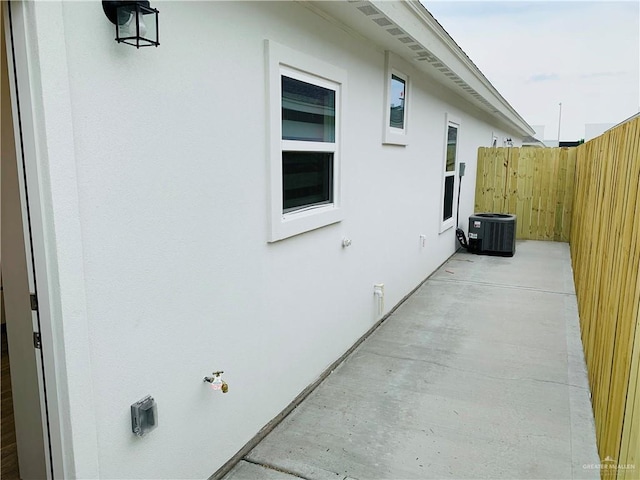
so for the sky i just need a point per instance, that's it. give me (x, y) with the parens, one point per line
(585, 55)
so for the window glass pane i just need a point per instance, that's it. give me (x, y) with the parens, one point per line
(448, 197)
(308, 111)
(307, 179)
(396, 119)
(452, 145)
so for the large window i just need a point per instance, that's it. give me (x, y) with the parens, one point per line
(305, 97)
(309, 116)
(449, 177)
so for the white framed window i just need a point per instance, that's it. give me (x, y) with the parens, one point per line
(396, 103)
(450, 168)
(305, 117)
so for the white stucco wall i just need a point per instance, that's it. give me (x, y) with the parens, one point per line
(171, 164)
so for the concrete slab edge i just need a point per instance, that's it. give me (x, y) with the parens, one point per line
(264, 431)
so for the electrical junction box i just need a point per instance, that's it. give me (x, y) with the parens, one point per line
(144, 416)
(492, 234)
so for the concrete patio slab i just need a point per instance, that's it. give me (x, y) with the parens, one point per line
(479, 374)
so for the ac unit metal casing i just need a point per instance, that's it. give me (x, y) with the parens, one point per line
(492, 234)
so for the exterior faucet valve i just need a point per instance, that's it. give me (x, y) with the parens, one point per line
(216, 381)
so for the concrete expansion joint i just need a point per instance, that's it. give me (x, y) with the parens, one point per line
(443, 365)
(276, 469)
(500, 285)
(474, 372)
(571, 385)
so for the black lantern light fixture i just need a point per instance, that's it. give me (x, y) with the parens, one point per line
(136, 22)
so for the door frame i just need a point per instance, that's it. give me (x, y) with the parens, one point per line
(27, 374)
(41, 105)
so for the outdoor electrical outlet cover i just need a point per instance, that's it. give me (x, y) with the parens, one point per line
(144, 416)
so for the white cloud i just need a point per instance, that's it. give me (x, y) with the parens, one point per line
(537, 54)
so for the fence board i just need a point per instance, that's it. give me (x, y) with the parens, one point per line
(561, 185)
(546, 168)
(569, 188)
(528, 206)
(501, 168)
(522, 213)
(512, 190)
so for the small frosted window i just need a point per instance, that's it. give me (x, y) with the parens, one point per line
(398, 91)
(452, 146)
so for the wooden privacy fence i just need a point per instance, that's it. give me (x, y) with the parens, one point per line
(534, 183)
(605, 251)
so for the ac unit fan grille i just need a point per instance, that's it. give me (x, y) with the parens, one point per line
(492, 233)
(500, 235)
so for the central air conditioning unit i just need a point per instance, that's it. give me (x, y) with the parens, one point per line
(492, 234)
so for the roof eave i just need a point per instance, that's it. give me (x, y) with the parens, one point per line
(495, 97)
(430, 50)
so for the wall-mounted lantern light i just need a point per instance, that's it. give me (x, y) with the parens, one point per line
(136, 22)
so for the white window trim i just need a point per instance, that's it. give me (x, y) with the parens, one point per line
(281, 59)
(391, 135)
(449, 223)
